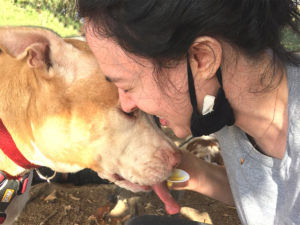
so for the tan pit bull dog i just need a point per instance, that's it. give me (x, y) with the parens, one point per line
(62, 113)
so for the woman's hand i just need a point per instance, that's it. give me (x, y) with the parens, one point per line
(205, 178)
(191, 165)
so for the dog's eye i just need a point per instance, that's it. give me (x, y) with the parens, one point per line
(107, 79)
(49, 65)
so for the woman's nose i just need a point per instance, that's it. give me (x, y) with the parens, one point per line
(126, 102)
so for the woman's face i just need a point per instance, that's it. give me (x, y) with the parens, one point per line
(137, 87)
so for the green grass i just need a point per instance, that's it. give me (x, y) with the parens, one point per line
(13, 15)
(291, 40)
(25, 13)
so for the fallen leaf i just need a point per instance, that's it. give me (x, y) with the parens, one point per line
(102, 212)
(73, 197)
(195, 215)
(51, 197)
(92, 218)
(119, 209)
(67, 207)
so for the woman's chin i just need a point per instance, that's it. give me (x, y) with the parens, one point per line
(181, 133)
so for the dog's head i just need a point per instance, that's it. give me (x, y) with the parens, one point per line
(63, 114)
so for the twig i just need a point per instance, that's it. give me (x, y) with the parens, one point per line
(48, 217)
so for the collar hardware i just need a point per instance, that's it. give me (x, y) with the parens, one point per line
(9, 189)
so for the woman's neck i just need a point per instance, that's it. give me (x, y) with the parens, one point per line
(261, 112)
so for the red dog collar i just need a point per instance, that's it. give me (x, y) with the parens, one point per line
(10, 186)
(9, 148)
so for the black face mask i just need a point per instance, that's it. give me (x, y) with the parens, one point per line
(220, 116)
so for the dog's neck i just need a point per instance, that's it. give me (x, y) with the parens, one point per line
(9, 148)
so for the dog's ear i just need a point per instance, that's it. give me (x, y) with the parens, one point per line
(27, 43)
(38, 55)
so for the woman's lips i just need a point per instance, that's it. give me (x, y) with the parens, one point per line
(163, 122)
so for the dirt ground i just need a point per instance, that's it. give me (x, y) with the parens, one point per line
(65, 204)
(92, 204)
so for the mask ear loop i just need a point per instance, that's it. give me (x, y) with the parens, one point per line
(219, 76)
(191, 85)
(221, 109)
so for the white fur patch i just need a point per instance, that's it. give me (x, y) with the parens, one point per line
(57, 166)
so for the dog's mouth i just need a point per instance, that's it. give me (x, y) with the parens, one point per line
(171, 206)
(161, 190)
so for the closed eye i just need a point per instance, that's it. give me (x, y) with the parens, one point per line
(114, 80)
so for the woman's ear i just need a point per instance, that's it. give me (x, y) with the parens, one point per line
(205, 56)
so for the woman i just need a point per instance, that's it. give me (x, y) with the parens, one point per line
(212, 66)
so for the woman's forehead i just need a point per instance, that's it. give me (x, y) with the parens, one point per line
(110, 53)
(113, 58)
(106, 50)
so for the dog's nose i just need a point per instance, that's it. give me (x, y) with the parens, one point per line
(176, 159)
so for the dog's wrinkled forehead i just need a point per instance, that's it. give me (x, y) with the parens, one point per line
(68, 65)
(42, 48)
(53, 56)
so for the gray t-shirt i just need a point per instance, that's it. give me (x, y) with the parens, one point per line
(266, 190)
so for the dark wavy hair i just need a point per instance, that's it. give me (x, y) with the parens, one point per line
(163, 30)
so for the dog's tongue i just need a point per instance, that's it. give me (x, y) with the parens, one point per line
(163, 193)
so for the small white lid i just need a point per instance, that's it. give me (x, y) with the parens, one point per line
(179, 176)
